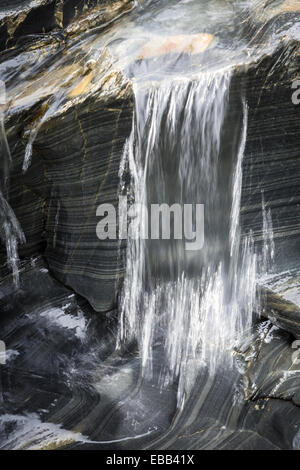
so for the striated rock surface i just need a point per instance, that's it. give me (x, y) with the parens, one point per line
(67, 129)
(69, 70)
(63, 386)
(271, 165)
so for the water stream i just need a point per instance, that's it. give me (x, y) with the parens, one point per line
(191, 304)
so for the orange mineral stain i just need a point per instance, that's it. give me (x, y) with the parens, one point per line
(192, 44)
(81, 87)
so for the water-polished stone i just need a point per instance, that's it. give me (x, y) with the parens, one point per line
(69, 111)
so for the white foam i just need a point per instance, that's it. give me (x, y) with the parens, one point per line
(58, 317)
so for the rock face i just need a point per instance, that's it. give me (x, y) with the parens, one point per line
(192, 44)
(271, 164)
(76, 157)
(63, 383)
(21, 20)
(67, 114)
(81, 152)
(74, 146)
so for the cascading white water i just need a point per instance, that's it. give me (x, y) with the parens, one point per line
(192, 305)
(11, 235)
(268, 251)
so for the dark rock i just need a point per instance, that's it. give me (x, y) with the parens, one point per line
(281, 312)
(22, 20)
(70, 112)
(76, 157)
(81, 151)
(63, 386)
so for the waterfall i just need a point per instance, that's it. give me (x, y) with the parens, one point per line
(190, 306)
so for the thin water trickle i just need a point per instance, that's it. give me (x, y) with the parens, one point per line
(10, 230)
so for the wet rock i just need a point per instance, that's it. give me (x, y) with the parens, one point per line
(282, 313)
(82, 176)
(64, 387)
(271, 169)
(83, 112)
(192, 44)
(66, 125)
(271, 365)
(280, 298)
(21, 21)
